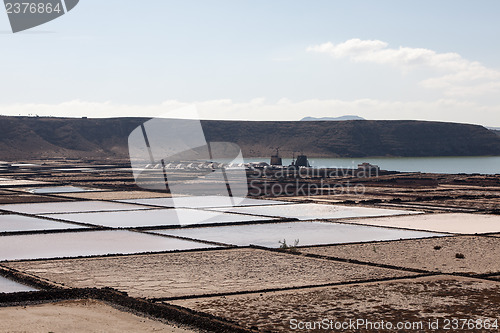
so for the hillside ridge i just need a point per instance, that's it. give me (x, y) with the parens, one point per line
(101, 138)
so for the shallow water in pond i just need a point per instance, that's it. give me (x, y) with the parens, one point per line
(74, 244)
(456, 223)
(60, 189)
(307, 233)
(9, 223)
(5, 182)
(68, 207)
(316, 211)
(204, 202)
(8, 286)
(156, 217)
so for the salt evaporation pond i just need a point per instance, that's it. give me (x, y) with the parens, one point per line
(60, 189)
(88, 243)
(156, 217)
(10, 223)
(456, 223)
(204, 202)
(316, 211)
(8, 286)
(5, 182)
(69, 207)
(308, 233)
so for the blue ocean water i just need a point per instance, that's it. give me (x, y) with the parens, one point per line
(451, 165)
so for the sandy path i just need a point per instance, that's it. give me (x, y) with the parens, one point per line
(78, 316)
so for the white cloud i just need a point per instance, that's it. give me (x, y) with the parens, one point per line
(283, 109)
(456, 76)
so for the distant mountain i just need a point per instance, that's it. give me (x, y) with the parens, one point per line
(401, 138)
(495, 130)
(342, 118)
(27, 138)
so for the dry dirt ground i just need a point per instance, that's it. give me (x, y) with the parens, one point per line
(414, 301)
(433, 254)
(9, 197)
(78, 316)
(199, 273)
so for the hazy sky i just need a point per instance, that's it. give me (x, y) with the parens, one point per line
(259, 60)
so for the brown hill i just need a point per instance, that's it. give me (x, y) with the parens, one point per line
(23, 138)
(358, 138)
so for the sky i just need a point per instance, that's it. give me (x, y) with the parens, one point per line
(259, 60)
